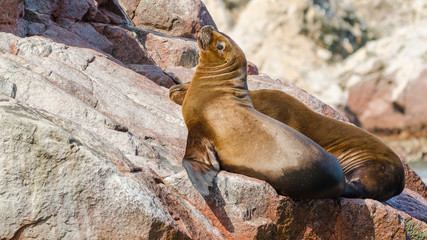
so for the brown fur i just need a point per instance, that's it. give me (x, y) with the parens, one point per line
(372, 170)
(223, 126)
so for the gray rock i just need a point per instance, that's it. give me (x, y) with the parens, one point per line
(7, 88)
(58, 181)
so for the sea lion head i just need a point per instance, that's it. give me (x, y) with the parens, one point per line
(216, 48)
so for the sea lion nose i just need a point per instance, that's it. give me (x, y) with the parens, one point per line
(205, 36)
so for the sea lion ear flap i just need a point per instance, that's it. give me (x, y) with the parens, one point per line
(201, 163)
(177, 92)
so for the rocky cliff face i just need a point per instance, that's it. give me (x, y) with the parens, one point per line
(91, 146)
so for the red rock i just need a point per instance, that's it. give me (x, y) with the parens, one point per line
(11, 17)
(168, 51)
(176, 18)
(130, 7)
(252, 69)
(154, 73)
(247, 208)
(71, 10)
(125, 47)
(413, 181)
(104, 12)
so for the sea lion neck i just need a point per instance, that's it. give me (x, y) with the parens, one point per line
(230, 77)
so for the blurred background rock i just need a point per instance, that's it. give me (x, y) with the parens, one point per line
(367, 58)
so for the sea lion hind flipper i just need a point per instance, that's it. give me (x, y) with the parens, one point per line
(201, 163)
(354, 189)
(201, 175)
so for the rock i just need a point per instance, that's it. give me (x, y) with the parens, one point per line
(11, 17)
(409, 145)
(87, 82)
(225, 12)
(386, 82)
(180, 74)
(236, 210)
(220, 14)
(168, 51)
(414, 182)
(7, 88)
(89, 34)
(409, 202)
(67, 180)
(125, 46)
(252, 69)
(385, 17)
(284, 38)
(70, 177)
(154, 73)
(176, 18)
(92, 149)
(244, 208)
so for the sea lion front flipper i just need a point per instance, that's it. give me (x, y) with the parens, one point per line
(177, 92)
(201, 163)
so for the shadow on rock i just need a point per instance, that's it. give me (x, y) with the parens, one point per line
(217, 204)
(410, 204)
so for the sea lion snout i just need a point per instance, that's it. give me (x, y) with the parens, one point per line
(205, 36)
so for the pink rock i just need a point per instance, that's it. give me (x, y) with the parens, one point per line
(168, 51)
(176, 18)
(371, 100)
(153, 73)
(413, 101)
(180, 74)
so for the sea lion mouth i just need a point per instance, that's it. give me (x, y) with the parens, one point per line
(205, 36)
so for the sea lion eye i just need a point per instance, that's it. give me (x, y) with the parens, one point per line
(220, 46)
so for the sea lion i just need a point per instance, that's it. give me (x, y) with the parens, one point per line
(372, 170)
(225, 131)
